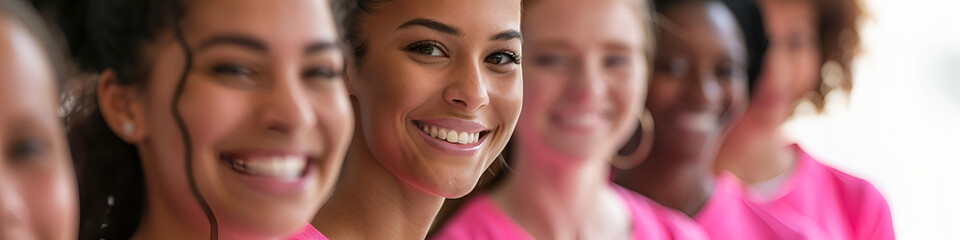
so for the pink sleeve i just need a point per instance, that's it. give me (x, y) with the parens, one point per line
(875, 219)
(308, 233)
(481, 219)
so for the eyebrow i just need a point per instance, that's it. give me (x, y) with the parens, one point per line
(321, 46)
(432, 24)
(255, 44)
(235, 40)
(507, 35)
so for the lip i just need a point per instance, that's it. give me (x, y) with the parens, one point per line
(459, 125)
(268, 184)
(454, 124)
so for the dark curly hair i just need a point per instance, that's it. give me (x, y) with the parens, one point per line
(102, 35)
(838, 36)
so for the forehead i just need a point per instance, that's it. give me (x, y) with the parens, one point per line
(281, 21)
(788, 15)
(476, 18)
(583, 23)
(26, 80)
(704, 25)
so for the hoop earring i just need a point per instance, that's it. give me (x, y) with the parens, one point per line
(637, 149)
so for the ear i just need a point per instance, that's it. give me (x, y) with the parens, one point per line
(121, 108)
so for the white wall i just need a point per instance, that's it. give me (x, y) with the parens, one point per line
(900, 128)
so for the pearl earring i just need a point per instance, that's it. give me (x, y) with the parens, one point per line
(128, 128)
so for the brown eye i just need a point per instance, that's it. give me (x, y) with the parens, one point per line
(724, 71)
(674, 67)
(615, 61)
(28, 149)
(502, 57)
(232, 70)
(321, 73)
(428, 48)
(549, 60)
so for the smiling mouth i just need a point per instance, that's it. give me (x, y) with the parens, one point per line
(284, 167)
(451, 135)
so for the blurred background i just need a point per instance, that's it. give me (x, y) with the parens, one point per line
(900, 128)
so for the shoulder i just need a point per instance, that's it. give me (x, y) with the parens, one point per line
(655, 221)
(480, 218)
(865, 207)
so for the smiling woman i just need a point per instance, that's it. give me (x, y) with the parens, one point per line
(437, 89)
(37, 186)
(207, 119)
(584, 85)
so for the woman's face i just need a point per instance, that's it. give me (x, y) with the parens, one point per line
(585, 78)
(792, 66)
(438, 90)
(699, 79)
(38, 196)
(267, 113)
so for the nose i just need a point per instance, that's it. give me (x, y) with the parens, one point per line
(285, 107)
(468, 92)
(587, 83)
(703, 90)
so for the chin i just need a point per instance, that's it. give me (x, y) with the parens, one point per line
(265, 225)
(441, 183)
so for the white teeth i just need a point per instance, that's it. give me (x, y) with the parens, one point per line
(583, 120)
(284, 167)
(451, 136)
(699, 122)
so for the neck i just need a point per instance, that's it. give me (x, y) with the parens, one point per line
(556, 198)
(371, 203)
(756, 156)
(160, 224)
(163, 219)
(680, 181)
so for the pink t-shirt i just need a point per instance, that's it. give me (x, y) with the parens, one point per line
(481, 218)
(815, 202)
(729, 215)
(823, 199)
(308, 233)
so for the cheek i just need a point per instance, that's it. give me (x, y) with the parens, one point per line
(210, 112)
(389, 96)
(808, 72)
(394, 89)
(335, 115)
(50, 198)
(735, 99)
(661, 96)
(507, 96)
(540, 93)
(335, 121)
(627, 97)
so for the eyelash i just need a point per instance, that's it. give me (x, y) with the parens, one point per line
(321, 72)
(512, 56)
(419, 47)
(28, 149)
(414, 47)
(232, 70)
